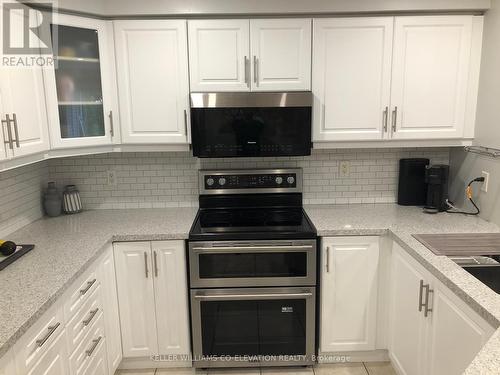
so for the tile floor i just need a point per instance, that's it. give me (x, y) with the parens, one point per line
(367, 368)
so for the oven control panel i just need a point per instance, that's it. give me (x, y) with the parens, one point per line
(251, 181)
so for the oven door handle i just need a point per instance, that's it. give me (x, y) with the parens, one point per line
(251, 296)
(251, 249)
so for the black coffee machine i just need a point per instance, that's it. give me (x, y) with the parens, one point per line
(436, 178)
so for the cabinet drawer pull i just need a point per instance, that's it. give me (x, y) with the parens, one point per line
(93, 313)
(420, 293)
(51, 330)
(94, 345)
(87, 288)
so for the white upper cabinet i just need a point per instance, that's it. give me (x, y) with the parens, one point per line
(153, 80)
(219, 55)
(80, 91)
(250, 55)
(351, 78)
(281, 54)
(349, 282)
(23, 111)
(402, 78)
(430, 74)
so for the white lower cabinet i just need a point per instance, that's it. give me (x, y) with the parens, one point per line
(80, 334)
(349, 281)
(136, 298)
(151, 278)
(109, 295)
(433, 332)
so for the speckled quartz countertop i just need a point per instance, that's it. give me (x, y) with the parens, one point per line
(400, 223)
(67, 245)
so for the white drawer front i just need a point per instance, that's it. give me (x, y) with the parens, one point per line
(82, 321)
(54, 361)
(38, 338)
(98, 364)
(84, 353)
(77, 296)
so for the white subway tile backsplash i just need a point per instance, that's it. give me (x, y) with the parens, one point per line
(21, 196)
(158, 180)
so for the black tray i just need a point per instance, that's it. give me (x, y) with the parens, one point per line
(20, 251)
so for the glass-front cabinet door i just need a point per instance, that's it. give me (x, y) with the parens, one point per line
(80, 86)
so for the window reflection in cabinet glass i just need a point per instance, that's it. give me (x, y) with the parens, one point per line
(78, 82)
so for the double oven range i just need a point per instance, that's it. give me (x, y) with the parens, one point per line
(253, 271)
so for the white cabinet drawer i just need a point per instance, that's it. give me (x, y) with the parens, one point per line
(81, 323)
(79, 293)
(84, 353)
(98, 362)
(54, 360)
(38, 338)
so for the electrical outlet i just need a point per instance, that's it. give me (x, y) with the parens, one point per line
(345, 169)
(486, 176)
(111, 178)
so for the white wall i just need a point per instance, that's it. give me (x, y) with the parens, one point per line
(467, 166)
(181, 7)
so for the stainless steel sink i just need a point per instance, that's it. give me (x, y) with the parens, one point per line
(484, 268)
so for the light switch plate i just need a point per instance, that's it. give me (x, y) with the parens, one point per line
(484, 187)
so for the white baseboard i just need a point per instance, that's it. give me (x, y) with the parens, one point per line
(148, 363)
(380, 355)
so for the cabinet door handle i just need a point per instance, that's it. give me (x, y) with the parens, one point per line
(155, 259)
(146, 264)
(246, 70)
(428, 292)
(420, 295)
(328, 259)
(256, 70)
(9, 142)
(394, 119)
(44, 339)
(89, 285)
(93, 313)
(16, 130)
(111, 124)
(186, 122)
(386, 116)
(94, 345)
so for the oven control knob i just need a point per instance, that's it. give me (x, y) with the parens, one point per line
(279, 180)
(210, 181)
(290, 180)
(222, 181)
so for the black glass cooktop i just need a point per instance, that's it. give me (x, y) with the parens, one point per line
(252, 223)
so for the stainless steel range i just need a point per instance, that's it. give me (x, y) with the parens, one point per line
(253, 271)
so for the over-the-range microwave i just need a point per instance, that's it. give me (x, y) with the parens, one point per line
(238, 124)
